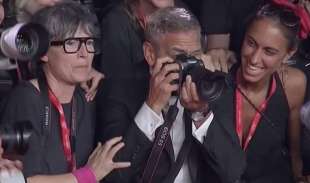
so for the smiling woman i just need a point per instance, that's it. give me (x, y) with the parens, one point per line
(264, 103)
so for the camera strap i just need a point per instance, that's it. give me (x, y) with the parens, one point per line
(257, 116)
(159, 144)
(161, 141)
(68, 136)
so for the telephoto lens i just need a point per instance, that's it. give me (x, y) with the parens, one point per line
(209, 84)
(15, 137)
(24, 41)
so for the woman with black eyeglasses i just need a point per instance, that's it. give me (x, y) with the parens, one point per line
(255, 135)
(62, 142)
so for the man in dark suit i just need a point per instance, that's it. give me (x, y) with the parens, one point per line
(137, 113)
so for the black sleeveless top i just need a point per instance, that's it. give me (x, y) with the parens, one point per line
(266, 160)
(267, 154)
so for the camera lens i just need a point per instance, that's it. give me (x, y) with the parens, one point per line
(25, 45)
(25, 41)
(209, 84)
(15, 137)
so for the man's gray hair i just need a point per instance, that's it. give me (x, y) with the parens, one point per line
(170, 20)
(63, 20)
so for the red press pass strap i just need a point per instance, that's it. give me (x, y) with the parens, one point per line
(255, 120)
(65, 131)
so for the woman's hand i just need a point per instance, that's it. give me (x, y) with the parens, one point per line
(91, 85)
(222, 59)
(101, 160)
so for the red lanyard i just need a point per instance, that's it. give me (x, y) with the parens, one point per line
(257, 116)
(65, 131)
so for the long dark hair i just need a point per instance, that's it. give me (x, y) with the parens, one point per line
(284, 17)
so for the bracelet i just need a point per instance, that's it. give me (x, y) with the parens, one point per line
(84, 175)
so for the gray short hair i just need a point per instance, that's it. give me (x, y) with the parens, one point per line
(63, 20)
(170, 20)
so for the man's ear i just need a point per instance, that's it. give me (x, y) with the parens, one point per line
(44, 58)
(149, 53)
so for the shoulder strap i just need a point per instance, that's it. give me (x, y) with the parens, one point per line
(158, 146)
(46, 109)
(46, 116)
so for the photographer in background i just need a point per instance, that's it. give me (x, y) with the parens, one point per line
(61, 147)
(169, 32)
(7, 68)
(25, 9)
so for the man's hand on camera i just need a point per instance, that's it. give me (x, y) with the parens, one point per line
(189, 96)
(91, 86)
(161, 83)
(222, 59)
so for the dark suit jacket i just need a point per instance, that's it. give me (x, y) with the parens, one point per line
(124, 98)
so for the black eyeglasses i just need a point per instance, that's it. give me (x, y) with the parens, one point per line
(286, 16)
(73, 45)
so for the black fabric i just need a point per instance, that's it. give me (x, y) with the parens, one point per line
(122, 50)
(124, 99)
(266, 159)
(26, 103)
(305, 141)
(227, 16)
(301, 60)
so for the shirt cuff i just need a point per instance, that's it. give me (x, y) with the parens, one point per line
(201, 132)
(148, 121)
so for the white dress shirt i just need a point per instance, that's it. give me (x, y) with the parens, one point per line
(148, 121)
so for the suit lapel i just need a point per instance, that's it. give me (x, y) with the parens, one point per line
(192, 156)
(225, 116)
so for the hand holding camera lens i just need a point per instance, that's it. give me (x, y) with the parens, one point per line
(163, 74)
(208, 81)
(189, 96)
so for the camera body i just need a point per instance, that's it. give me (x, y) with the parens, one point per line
(209, 84)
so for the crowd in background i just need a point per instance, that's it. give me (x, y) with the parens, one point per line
(99, 98)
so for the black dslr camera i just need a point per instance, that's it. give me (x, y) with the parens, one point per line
(15, 137)
(209, 84)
